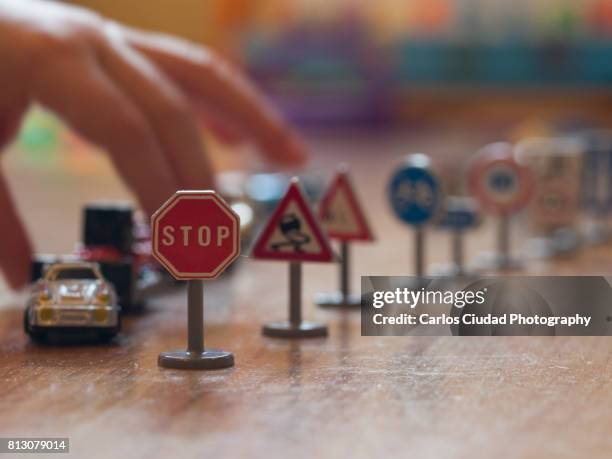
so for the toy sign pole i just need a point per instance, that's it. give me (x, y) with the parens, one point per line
(196, 236)
(503, 238)
(294, 235)
(345, 261)
(414, 193)
(419, 257)
(343, 219)
(195, 317)
(503, 187)
(460, 215)
(458, 258)
(295, 293)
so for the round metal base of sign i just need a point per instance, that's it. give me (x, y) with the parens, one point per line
(185, 360)
(338, 300)
(289, 330)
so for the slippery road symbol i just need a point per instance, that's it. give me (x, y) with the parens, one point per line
(290, 226)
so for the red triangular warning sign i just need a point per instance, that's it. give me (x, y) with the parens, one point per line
(293, 232)
(341, 214)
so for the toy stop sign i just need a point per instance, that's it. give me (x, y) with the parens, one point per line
(196, 235)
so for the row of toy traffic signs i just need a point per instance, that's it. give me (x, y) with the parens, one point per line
(196, 236)
(500, 185)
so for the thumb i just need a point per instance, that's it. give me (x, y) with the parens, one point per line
(15, 248)
(10, 121)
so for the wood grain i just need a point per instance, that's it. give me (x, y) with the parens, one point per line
(344, 396)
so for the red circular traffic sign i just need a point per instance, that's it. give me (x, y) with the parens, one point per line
(196, 235)
(500, 184)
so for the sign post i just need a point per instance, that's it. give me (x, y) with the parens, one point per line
(293, 234)
(343, 219)
(414, 193)
(196, 236)
(502, 187)
(460, 215)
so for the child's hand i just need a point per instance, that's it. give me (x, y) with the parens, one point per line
(128, 91)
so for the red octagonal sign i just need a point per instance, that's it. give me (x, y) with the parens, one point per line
(196, 235)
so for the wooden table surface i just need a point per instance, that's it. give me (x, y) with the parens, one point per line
(343, 396)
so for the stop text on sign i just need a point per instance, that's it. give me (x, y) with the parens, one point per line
(203, 235)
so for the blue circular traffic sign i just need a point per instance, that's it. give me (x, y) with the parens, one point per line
(414, 193)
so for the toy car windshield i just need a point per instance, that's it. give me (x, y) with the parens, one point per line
(73, 274)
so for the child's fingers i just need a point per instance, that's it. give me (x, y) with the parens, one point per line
(221, 127)
(224, 90)
(10, 120)
(15, 248)
(81, 93)
(165, 108)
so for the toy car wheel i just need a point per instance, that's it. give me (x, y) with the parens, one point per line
(109, 334)
(36, 336)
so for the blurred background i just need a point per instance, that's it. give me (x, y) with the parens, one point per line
(516, 68)
(393, 76)
(361, 61)
(406, 63)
